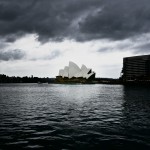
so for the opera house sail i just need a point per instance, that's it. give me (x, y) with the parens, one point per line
(75, 74)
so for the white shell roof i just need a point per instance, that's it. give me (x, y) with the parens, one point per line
(83, 67)
(61, 72)
(66, 72)
(74, 71)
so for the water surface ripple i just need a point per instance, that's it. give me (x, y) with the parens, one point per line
(52, 116)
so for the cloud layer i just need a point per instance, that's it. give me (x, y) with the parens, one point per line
(11, 55)
(45, 34)
(75, 19)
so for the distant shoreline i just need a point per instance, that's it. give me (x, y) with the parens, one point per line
(6, 79)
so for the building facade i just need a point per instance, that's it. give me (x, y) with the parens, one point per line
(73, 73)
(136, 68)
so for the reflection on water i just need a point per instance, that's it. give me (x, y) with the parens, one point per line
(136, 113)
(49, 116)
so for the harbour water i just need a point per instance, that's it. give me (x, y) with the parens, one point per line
(53, 116)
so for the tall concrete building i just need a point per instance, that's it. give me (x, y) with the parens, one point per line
(136, 68)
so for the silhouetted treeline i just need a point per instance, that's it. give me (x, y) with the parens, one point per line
(108, 80)
(26, 79)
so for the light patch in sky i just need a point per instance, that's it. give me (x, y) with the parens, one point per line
(45, 60)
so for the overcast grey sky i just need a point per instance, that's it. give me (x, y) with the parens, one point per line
(38, 37)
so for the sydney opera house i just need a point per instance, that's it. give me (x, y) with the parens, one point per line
(73, 73)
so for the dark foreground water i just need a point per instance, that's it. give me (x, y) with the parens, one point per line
(50, 116)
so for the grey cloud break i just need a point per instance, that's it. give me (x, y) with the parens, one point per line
(11, 55)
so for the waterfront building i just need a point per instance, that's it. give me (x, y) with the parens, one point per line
(136, 68)
(74, 73)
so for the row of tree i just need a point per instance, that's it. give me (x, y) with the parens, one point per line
(26, 79)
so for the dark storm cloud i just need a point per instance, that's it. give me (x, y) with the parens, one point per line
(3, 45)
(48, 18)
(119, 19)
(75, 19)
(11, 55)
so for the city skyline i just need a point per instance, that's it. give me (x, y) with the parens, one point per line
(39, 37)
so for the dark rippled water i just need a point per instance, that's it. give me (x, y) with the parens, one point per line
(51, 116)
